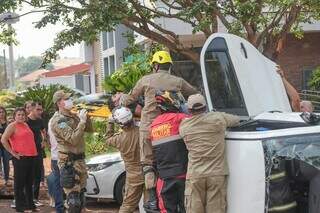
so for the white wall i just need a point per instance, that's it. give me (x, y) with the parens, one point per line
(68, 81)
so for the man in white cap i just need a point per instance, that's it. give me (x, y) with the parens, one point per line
(204, 135)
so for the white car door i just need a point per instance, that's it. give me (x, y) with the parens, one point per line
(238, 79)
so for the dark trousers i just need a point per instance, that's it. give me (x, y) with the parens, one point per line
(170, 194)
(38, 164)
(57, 190)
(23, 179)
(5, 157)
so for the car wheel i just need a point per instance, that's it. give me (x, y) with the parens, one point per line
(119, 189)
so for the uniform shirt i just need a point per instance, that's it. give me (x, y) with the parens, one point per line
(69, 132)
(37, 126)
(147, 87)
(171, 155)
(204, 137)
(127, 142)
(53, 143)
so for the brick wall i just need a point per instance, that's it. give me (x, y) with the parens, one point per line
(298, 55)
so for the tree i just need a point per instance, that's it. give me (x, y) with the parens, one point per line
(27, 65)
(264, 23)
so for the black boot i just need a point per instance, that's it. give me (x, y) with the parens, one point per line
(152, 204)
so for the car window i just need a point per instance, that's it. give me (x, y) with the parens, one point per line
(223, 86)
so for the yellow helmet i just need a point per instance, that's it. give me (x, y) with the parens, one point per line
(161, 57)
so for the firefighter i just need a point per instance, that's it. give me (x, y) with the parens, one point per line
(203, 134)
(170, 152)
(127, 141)
(281, 198)
(68, 130)
(160, 79)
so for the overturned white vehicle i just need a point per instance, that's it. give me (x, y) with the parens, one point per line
(274, 156)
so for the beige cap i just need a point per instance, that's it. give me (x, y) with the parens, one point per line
(60, 94)
(196, 101)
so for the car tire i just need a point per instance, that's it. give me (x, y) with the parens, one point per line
(119, 189)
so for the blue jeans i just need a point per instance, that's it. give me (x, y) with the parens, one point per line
(5, 157)
(55, 188)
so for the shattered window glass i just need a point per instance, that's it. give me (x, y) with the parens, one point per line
(304, 148)
(292, 164)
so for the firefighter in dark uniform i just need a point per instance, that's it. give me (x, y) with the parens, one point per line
(170, 152)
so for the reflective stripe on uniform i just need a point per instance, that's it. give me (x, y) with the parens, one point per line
(166, 140)
(283, 207)
(277, 176)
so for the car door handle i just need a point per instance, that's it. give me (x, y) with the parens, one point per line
(244, 50)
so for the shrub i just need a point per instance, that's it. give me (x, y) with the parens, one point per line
(41, 94)
(95, 142)
(314, 82)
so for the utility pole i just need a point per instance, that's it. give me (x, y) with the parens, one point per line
(10, 18)
(5, 69)
(11, 68)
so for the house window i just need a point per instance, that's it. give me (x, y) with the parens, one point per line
(223, 85)
(306, 76)
(104, 40)
(106, 66)
(112, 64)
(110, 39)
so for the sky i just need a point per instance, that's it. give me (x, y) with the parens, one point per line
(32, 41)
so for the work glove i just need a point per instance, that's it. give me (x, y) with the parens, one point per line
(122, 98)
(116, 98)
(83, 115)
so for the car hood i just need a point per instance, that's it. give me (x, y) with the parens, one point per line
(110, 157)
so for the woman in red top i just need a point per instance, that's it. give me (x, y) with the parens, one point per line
(19, 141)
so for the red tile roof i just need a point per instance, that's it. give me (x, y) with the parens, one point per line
(74, 69)
(34, 76)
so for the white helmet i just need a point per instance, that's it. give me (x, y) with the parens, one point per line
(122, 115)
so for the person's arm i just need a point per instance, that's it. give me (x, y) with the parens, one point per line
(114, 140)
(187, 89)
(44, 135)
(291, 92)
(89, 126)
(5, 140)
(127, 99)
(231, 120)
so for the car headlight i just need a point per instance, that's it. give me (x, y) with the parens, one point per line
(100, 166)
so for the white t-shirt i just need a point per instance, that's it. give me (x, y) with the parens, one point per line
(53, 143)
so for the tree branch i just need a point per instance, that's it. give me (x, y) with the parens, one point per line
(175, 46)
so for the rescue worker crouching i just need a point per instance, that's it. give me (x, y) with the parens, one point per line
(281, 198)
(204, 135)
(170, 153)
(127, 142)
(160, 79)
(69, 132)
